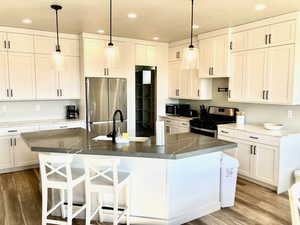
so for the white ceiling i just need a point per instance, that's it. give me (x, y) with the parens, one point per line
(167, 19)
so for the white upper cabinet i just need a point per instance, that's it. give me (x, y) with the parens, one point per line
(238, 41)
(20, 43)
(21, 76)
(254, 79)
(4, 83)
(214, 57)
(2, 41)
(69, 79)
(282, 33)
(46, 78)
(174, 76)
(279, 76)
(69, 47)
(236, 80)
(258, 38)
(145, 55)
(175, 53)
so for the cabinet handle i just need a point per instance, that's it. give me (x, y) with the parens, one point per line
(7, 93)
(209, 71)
(15, 142)
(198, 93)
(11, 142)
(11, 93)
(9, 44)
(252, 137)
(57, 92)
(224, 132)
(212, 71)
(12, 131)
(267, 94)
(60, 91)
(255, 150)
(251, 149)
(63, 127)
(229, 93)
(270, 38)
(230, 45)
(266, 39)
(5, 44)
(107, 71)
(264, 92)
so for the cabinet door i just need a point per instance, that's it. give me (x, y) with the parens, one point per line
(141, 55)
(236, 80)
(199, 88)
(257, 37)
(23, 156)
(46, 77)
(174, 71)
(264, 164)
(282, 33)
(206, 57)
(184, 83)
(21, 76)
(69, 78)
(239, 41)
(220, 56)
(93, 57)
(151, 56)
(175, 53)
(4, 82)
(69, 47)
(44, 45)
(2, 41)
(20, 43)
(280, 70)
(245, 158)
(255, 75)
(118, 68)
(6, 159)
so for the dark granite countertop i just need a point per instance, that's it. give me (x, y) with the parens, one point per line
(79, 141)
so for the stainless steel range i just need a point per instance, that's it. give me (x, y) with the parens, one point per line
(210, 118)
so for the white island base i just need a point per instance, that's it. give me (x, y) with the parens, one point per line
(169, 192)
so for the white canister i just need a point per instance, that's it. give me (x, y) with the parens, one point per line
(240, 118)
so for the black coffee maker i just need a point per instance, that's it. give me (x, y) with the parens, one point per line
(72, 112)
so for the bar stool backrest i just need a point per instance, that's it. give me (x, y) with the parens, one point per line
(58, 165)
(104, 168)
(294, 196)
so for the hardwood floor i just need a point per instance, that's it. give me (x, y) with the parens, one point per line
(20, 204)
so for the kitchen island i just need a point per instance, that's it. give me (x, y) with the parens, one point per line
(171, 184)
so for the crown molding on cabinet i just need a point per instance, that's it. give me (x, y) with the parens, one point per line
(215, 33)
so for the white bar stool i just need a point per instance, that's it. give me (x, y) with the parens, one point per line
(102, 176)
(56, 173)
(294, 197)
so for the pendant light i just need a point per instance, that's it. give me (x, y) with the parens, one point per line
(112, 51)
(191, 54)
(57, 55)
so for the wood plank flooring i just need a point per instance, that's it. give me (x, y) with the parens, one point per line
(20, 204)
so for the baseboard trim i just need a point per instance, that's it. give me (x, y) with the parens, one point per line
(16, 169)
(274, 188)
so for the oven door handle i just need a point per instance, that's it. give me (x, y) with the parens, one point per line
(202, 129)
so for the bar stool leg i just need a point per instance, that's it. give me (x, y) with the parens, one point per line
(70, 206)
(100, 203)
(62, 198)
(128, 204)
(88, 206)
(116, 207)
(44, 205)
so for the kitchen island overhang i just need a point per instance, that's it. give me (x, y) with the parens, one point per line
(170, 184)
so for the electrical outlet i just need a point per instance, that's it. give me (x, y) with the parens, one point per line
(290, 114)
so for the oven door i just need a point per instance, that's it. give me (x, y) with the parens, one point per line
(206, 132)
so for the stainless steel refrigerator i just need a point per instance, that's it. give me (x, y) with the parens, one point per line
(103, 97)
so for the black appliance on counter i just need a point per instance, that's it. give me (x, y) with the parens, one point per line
(72, 112)
(180, 110)
(210, 118)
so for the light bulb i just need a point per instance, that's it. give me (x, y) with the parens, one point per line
(112, 56)
(58, 59)
(190, 59)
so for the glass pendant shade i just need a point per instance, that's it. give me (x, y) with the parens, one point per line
(112, 55)
(58, 60)
(190, 59)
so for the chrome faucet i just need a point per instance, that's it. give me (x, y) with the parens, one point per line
(114, 132)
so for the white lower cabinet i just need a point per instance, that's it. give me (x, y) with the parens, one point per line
(6, 159)
(23, 156)
(244, 156)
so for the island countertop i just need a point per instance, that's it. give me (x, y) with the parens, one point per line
(80, 141)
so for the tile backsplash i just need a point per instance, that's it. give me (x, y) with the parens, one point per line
(34, 110)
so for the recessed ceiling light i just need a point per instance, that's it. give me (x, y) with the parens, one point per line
(132, 15)
(156, 38)
(100, 31)
(195, 26)
(260, 7)
(27, 21)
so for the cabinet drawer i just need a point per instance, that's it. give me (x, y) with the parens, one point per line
(227, 132)
(17, 130)
(177, 123)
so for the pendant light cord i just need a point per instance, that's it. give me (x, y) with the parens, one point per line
(110, 20)
(192, 23)
(57, 37)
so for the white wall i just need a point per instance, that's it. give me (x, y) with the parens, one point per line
(255, 113)
(34, 110)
